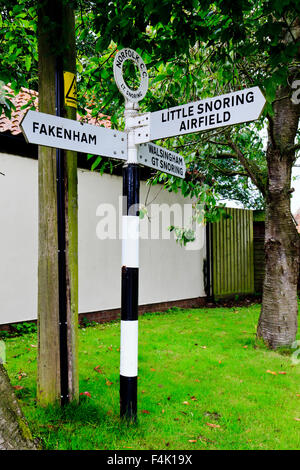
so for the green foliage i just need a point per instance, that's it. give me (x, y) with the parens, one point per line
(85, 322)
(192, 73)
(24, 328)
(227, 46)
(19, 329)
(4, 334)
(183, 235)
(19, 55)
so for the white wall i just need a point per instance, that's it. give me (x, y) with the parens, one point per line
(18, 239)
(167, 271)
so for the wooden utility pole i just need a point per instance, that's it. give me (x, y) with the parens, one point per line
(57, 264)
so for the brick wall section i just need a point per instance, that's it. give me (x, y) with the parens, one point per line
(104, 316)
(114, 314)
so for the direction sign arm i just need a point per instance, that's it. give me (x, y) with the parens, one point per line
(58, 132)
(219, 111)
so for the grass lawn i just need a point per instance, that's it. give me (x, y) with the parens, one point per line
(204, 383)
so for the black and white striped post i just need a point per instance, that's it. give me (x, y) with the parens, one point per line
(130, 236)
(130, 277)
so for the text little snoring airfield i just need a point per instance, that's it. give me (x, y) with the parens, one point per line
(210, 113)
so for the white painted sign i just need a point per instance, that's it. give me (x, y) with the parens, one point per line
(224, 110)
(161, 159)
(130, 94)
(54, 131)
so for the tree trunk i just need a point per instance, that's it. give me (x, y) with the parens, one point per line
(277, 324)
(56, 33)
(14, 431)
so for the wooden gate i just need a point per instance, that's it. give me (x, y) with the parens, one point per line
(231, 262)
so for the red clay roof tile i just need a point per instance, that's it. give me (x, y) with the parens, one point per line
(13, 125)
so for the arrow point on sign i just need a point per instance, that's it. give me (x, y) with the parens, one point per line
(68, 134)
(261, 101)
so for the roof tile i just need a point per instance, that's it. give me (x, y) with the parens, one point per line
(13, 125)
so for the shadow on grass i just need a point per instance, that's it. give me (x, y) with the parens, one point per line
(83, 413)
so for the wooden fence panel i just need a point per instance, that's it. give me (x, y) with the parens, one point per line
(232, 253)
(259, 255)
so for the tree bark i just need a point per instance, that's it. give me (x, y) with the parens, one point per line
(14, 431)
(56, 33)
(277, 324)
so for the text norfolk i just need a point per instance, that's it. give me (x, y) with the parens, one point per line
(63, 133)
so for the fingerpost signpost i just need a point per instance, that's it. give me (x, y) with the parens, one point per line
(232, 108)
(135, 147)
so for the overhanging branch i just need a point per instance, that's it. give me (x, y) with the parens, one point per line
(223, 156)
(293, 148)
(251, 167)
(226, 172)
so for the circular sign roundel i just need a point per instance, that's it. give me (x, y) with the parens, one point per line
(129, 93)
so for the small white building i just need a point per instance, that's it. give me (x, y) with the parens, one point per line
(170, 275)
